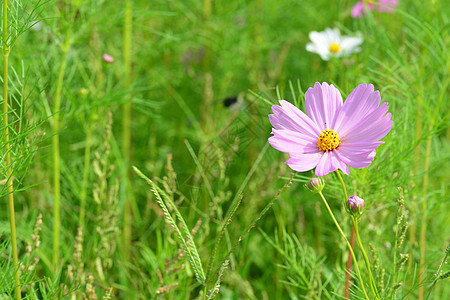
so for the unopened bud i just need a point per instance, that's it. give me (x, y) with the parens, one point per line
(355, 205)
(316, 185)
(108, 58)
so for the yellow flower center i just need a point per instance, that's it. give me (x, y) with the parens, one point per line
(328, 140)
(334, 48)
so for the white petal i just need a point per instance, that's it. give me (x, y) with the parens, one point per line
(318, 38)
(333, 35)
(350, 44)
(320, 49)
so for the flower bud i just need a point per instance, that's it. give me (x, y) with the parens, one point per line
(355, 205)
(108, 58)
(316, 185)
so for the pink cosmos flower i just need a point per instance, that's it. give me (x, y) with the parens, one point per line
(331, 135)
(359, 9)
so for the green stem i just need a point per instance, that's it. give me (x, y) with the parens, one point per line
(394, 271)
(417, 160)
(126, 129)
(208, 93)
(87, 155)
(348, 244)
(55, 149)
(366, 259)
(8, 167)
(423, 223)
(343, 185)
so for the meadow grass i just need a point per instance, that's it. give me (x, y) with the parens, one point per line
(132, 180)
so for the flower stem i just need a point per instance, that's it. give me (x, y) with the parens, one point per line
(348, 277)
(352, 242)
(55, 148)
(373, 286)
(8, 167)
(343, 185)
(348, 243)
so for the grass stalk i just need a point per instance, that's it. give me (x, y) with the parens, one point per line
(55, 147)
(348, 244)
(87, 155)
(208, 93)
(126, 128)
(438, 272)
(423, 225)
(394, 265)
(8, 167)
(417, 161)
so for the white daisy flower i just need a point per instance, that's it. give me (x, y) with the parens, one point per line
(330, 43)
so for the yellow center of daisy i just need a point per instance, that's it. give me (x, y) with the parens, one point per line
(334, 48)
(328, 140)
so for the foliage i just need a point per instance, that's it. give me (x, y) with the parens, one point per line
(213, 178)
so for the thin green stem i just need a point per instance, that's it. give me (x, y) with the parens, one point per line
(126, 129)
(55, 149)
(8, 167)
(343, 185)
(373, 286)
(394, 271)
(87, 155)
(208, 93)
(348, 244)
(423, 223)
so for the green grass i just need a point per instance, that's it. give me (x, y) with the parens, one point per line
(218, 214)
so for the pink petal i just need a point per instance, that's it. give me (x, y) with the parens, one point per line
(386, 5)
(358, 10)
(344, 167)
(287, 116)
(360, 146)
(327, 164)
(355, 159)
(322, 102)
(289, 141)
(339, 162)
(357, 155)
(303, 162)
(361, 102)
(374, 127)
